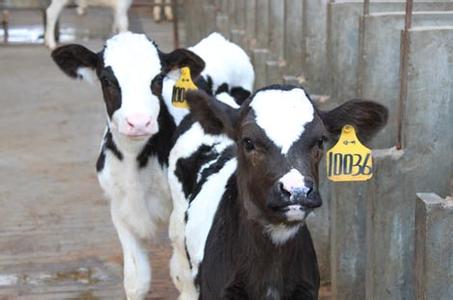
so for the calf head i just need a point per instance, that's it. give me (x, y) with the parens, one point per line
(280, 136)
(126, 67)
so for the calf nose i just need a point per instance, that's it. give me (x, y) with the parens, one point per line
(139, 124)
(299, 189)
(293, 182)
(303, 189)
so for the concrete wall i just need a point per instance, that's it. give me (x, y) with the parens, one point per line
(434, 242)
(343, 39)
(379, 70)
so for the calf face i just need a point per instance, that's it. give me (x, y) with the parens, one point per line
(279, 136)
(126, 68)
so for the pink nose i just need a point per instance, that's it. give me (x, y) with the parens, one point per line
(139, 125)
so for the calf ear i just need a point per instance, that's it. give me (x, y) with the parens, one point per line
(367, 117)
(183, 58)
(76, 61)
(240, 94)
(214, 116)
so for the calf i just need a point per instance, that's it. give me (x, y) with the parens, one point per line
(132, 165)
(119, 8)
(248, 178)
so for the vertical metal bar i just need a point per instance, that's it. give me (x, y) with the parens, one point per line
(365, 12)
(174, 7)
(5, 22)
(366, 7)
(403, 73)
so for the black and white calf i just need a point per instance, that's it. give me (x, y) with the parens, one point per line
(132, 165)
(248, 178)
(119, 11)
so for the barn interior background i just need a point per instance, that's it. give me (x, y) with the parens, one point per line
(389, 238)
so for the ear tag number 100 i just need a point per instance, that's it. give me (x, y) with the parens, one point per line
(184, 83)
(349, 159)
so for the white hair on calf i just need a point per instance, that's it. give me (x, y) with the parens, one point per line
(281, 233)
(227, 99)
(293, 109)
(201, 213)
(134, 60)
(229, 63)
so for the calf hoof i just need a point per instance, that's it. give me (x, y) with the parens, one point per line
(50, 44)
(168, 14)
(157, 14)
(136, 289)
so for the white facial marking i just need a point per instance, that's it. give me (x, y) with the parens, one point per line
(283, 115)
(281, 233)
(293, 180)
(135, 62)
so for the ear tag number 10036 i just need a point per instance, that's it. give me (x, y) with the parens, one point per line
(349, 159)
(184, 83)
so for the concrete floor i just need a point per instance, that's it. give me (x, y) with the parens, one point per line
(56, 237)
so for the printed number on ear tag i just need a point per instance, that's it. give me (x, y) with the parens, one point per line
(349, 159)
(184, 83)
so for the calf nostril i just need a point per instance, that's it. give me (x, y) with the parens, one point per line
(130, 124)
(283, 190)
(148, 123)
(309, 190)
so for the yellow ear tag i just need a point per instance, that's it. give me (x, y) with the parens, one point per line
(184, 83)
(349, 159)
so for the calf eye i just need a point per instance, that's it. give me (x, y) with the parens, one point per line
(320, 142)
(248, 144)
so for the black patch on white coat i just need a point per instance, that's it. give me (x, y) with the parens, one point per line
(160, 143)
(239, 94)
(204, 84)
(223, 88)
(108, 144)
(187, 168)
(111, 90)
(227, 154)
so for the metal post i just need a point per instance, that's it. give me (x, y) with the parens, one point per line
(366, 7)
(5, 17)
(175, 23)
(403, 72)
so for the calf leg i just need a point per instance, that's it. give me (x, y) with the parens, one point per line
(157, 10)
(137, 270)
(120, 20)
(168, 10)
(52, 13)
(179, 263)
(81, 7)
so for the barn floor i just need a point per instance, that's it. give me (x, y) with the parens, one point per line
(56, 237)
